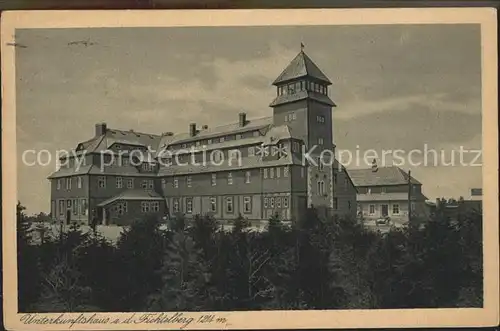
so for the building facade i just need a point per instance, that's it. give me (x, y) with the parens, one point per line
(388, 192)
(254, 168)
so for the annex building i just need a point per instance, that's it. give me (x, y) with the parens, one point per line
(252, 167)
(388, 192)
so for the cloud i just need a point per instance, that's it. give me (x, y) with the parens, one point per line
(395, 86)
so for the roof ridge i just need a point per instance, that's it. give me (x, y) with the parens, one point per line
(225, 125)
(135, 132)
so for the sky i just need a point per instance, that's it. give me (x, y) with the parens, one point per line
(397, 87)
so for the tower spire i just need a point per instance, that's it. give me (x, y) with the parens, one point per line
(302, 46)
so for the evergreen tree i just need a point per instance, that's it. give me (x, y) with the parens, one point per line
(137, 260)
(185, 274)
(27, 263)
(63, 288)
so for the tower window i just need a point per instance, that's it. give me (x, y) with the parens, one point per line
(291, 88)
(302, 85)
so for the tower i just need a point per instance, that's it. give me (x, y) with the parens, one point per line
(302, 102)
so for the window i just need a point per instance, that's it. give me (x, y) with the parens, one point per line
(125, 161)
(238, 136)
(214, 179)
(271, 172)
(130, 183)
(163, 183)
(321, 164)
(285, 202)
(209, 141)
(248, 176)
(121, 208)
(371, 210)
(52, 208)
(176, 183)
(148, 167)
(75, 207)
(59, 184)
(68, 204)
(222, 139)
(198, 143)
(349, 205)
(383, 190)
(278, 202)
(265, 172)
(266, 202)
(188, 181)
(176, 205)
(145, 207)
(320, 119)
(189, 205)
(272, 202)
(395, 209)
(216, 156)
(151, 184)
(119, 182)
(346, 182)
(183, 146)
(229, 178)
(155, 206)
(144, 184)
(213, 204)
(251, 151)
(294, 116)
(256, 133)
(79, 182)
(285, 171)
(234, 154)
(83, 206)
(320, 141)
(247, 205)
(68, 183)
(321, 187)
(101, 182)
(278, 172)
(229, 204)
(61, 207)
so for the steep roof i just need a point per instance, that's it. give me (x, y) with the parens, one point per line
(383, 176)
(220, 130)
(301, 66)
(133, 194)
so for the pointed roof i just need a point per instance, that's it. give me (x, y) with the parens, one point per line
(383, 176)
(301, 66)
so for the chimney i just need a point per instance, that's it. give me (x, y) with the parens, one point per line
(100, 129)
(438, 202)
(192, 129)
(243, 119)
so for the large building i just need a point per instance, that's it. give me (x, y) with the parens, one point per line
(255, 168)
(383, 192)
